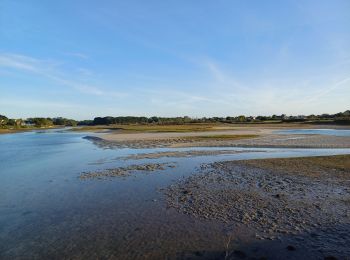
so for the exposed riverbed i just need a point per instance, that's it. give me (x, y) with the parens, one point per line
(48, 211)
(300, 201)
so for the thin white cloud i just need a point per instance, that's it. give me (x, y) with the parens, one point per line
(218, 74)
(270, 95)
(77, 55)
(50, 71)
(19, 62)
(219, 92)
(329, 89)
(31, 103)
(84, 71)
(222, 78)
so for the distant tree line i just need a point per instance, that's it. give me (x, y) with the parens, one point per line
(36, 122)
(341, 118)
(108, 120)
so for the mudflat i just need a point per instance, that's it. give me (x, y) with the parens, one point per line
(302, 202)
(125, 171)
(225, 136)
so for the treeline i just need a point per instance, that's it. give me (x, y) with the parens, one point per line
(341, 118)
(108, 120)
(36, 122)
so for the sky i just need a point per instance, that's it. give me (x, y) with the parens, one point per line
(81, 59)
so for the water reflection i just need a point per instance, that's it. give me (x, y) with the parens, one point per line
(334, 132)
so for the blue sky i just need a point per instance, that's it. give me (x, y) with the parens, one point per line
(82, 59)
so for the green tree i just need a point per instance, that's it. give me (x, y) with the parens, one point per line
(3, 120)
(11, 122)
(241, 118)
(41, 121)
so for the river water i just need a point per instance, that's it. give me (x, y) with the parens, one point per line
(333, 132)
(47, 212)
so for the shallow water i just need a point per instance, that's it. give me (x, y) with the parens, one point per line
(334, 132)
(47, 212)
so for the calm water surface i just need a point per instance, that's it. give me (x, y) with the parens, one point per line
(334, 132)
(47, 212)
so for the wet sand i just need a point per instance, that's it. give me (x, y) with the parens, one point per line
(126, 171)
(244, 137)
(303, 202)
(178, 154)
(275, 141)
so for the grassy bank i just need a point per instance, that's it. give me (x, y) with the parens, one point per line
(221, 137)
(23, 129)
(153, 128)
(156, 128)
(12, 131)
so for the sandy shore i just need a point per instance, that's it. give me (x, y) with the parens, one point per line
(179, 154)
(304, 201)
(274, 140)
(243, 136)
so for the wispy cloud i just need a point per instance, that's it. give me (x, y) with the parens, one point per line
(77, 55)
(329, 89)
(35, 103)
(222, 78)
(20, 62)
(50, 70)
(219, 92)
(263, 94)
